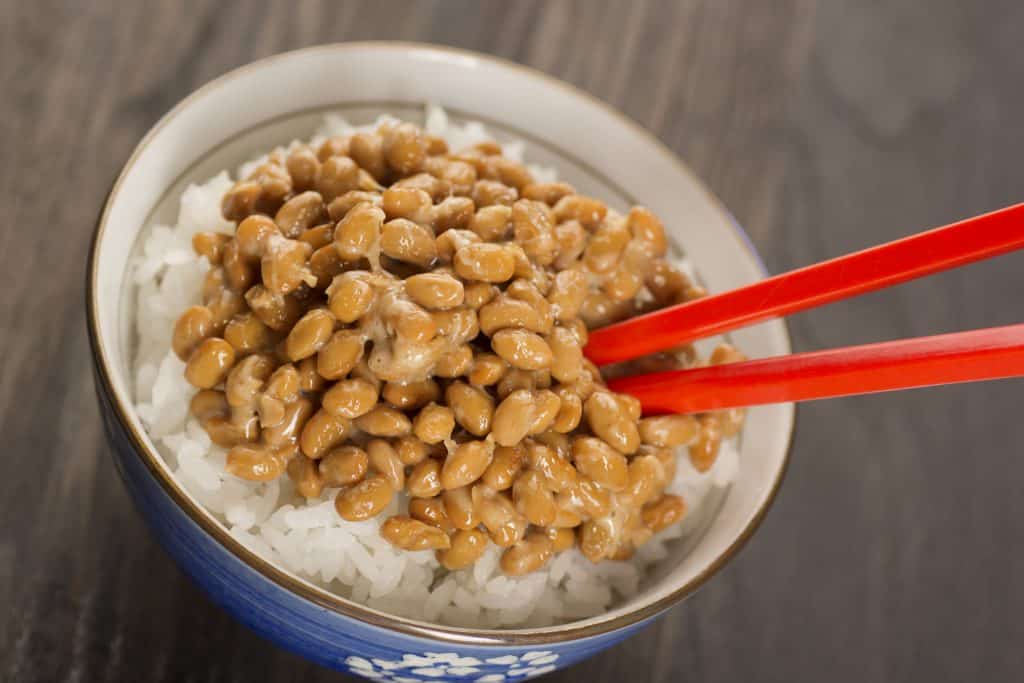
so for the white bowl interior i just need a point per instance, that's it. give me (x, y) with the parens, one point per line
(284, 98)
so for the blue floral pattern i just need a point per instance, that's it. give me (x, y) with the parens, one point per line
(447, 666)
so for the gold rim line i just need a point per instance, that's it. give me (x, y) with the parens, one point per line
(321, 597)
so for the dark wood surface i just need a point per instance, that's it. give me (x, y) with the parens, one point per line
(894, 552)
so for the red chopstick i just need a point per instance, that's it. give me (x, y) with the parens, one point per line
(864, 271)
(994, 353)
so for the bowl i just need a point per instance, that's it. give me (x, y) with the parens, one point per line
(280, 98)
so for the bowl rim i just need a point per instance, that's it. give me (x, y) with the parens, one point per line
(560, 633)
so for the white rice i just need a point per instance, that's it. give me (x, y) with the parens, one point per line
(308, 538)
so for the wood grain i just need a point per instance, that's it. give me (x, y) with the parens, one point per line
(894, 550)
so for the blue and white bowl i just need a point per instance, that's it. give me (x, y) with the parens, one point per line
(599, 151)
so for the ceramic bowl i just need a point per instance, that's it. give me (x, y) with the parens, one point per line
(601, 152)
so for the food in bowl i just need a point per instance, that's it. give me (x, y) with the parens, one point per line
(365, 357)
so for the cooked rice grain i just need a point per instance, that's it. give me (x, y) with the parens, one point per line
(307, 538)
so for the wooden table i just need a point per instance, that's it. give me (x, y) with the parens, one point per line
(895, 549)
